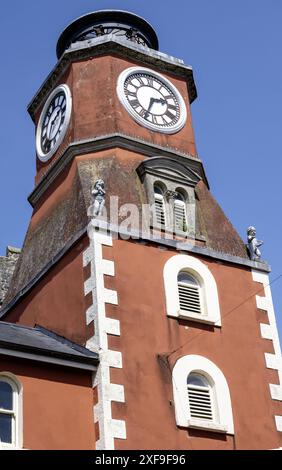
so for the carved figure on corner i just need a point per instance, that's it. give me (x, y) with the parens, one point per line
(253, 244)
(98, 198)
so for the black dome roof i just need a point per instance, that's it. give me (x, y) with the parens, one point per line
(134, 28)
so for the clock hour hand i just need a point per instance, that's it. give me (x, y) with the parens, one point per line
(54, 122)
(152, 101)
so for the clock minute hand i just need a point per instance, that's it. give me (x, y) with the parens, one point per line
(152, 100)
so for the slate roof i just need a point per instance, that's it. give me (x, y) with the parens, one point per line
(41, 342)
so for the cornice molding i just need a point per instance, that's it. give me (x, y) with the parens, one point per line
(170, 169)
(111, 45)
(105, 142)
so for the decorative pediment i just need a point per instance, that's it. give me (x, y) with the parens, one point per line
(169, 169)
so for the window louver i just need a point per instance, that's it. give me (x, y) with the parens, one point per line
(189, 297)
(180, 220)
(200, 402)
(159, 210)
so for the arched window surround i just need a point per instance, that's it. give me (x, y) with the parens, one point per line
(13, 381)
(186, 365)
(209, 294)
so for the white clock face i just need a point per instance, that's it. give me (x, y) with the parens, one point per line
(151, 100)
(53, 122)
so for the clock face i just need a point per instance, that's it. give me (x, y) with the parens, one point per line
(53, 122)
(151, 100)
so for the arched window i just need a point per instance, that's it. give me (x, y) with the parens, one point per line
(189, 292)
(9, 413)
(160, 215)
(179, 212)
(201, 395)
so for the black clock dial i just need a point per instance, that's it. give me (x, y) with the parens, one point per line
(53, 122)
(152, 99)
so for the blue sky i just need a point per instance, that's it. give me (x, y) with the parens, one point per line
(235, 50)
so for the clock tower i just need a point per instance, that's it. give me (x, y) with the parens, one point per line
(129, 261)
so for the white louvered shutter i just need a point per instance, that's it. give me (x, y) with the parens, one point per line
(180, 219)
(189, 293)
(200, 399)
(159, 209)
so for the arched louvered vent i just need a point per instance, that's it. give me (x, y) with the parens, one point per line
(180, 216)
(159, 206)
(199, 396)
(189, 293)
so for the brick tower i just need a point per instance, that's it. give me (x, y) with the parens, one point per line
(133, 295)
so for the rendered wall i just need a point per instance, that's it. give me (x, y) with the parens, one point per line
(57, 405)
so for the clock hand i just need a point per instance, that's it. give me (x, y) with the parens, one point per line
(152, 100)
(160, 100)
(53, 122)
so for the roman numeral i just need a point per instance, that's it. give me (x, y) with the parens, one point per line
(171, 106)
(169, 115)
(154, 120)
(164, 120)
(130, 93)
(150, 81)
(134, 103)
(140, 80)
(143, 112)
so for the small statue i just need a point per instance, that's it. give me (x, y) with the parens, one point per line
(253, 244)
(98, 196)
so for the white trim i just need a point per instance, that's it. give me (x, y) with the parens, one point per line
(206, 425)
(44, 157)
(194, 363)
(269, 331)
(278, 422)
(109, 428)
(13, 381)
(154, 127)
(211, 310)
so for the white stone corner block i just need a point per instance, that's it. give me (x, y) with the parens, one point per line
(266, 331)
(113, 359)
(260, 277)
(89, 286)
(97, 412)
(272, 361)
(262, 302)
(110, 296)
(118, 429)
(112, 326)
(90, 314)
(276, 392)
(87, 256)
(116, 393)
(107, 267)
(92, 345)
(278, 421)
(103, 239)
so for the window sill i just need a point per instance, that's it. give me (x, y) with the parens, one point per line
(199, 318)
(206, 426)
(7, 447)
